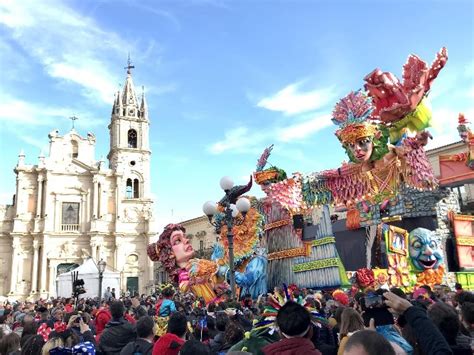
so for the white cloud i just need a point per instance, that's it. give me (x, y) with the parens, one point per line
(291, 100)
(17, 112)
(238, 140)
(69, 45)
(244, 139)
(304, 129)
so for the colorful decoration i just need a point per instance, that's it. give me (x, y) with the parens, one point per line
(317, 264)
(381, 277)
(401, 104)
(291, 253)
(430, 277)
(246, 236)
(365, 277)
(399, 270)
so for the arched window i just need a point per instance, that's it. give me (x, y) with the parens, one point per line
(129, 189)
(132, 138)
(136, 188)
(75, 149)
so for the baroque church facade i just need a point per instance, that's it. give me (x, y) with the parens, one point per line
(70, 207)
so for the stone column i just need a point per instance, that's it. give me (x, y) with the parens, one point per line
(95, 199)
(39, 199)
(94, 250)
(44, 262)
(83, 213)
(52, 280)
(34, 277)
(102, 203)
(15, 264)
(151, 274)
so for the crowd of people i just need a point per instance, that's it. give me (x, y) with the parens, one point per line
(285, 322)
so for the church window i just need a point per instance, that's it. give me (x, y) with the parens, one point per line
(70, 216)
(132, 138)
(129, 189)
(136, 188)
(133, 188)
(75, 149)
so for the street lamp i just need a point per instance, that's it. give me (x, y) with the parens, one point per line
(101, 266)
(232, 206)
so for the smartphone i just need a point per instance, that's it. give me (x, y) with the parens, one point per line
(372, 301)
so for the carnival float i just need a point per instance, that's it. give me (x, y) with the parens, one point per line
(396, 208)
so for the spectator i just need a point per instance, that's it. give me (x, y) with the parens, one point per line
(118, 332)
(51, 344)
(167, 306)
(194, 347)
(102, 317)
(467, 317)
(33, 345)
(368, 342)
(217, 343)
(107, 294)
(234, 332)
(351, 322)
(113, 293)
(173, 340)
(144, 342)
(429, 337)
(447, 321)
(4, 325)
(294, 322)
(10, 344)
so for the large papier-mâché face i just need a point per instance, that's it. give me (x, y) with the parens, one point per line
(361, 149)
(424, 250)
(182, 249)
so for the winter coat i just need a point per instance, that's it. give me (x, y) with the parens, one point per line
(291, 346)
(139, 346)
(217, 343)
(116, 335)
(102, 317)
(168, 344)
(429, 337)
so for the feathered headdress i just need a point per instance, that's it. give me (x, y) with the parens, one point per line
(351, 114)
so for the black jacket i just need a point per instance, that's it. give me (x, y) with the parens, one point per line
(116, 335)
(217, 343)
(427, 334)
(140, 346)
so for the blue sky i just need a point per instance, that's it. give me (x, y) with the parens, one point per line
(224, 79)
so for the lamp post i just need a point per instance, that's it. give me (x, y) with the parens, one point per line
(232, 206)
(101, 266)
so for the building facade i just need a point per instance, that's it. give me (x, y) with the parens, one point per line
(70, 207)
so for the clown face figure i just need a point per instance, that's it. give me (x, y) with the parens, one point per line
(424, 250)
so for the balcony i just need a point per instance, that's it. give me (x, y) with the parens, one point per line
(70, 227)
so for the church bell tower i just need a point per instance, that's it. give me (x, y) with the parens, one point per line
(129, 154)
